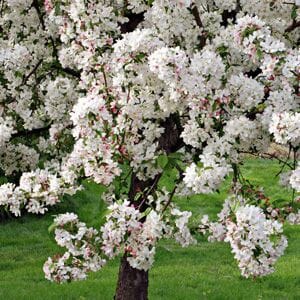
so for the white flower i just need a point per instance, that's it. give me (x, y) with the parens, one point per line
(286, 128)
(295, 179)
(206, 179)
(182, 233)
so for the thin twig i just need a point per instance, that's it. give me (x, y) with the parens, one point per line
(71, 72)
(285, 163)
(105, 81)
(35, 4)
(268, 155)
(149, 191)
(25, 79)
(170, 199)
(31, 132)
(172, 193)
(1, 9)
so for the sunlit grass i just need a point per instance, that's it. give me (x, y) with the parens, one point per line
(203, 271)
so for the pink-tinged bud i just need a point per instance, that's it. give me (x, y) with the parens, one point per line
(109, 41)
(48, 6)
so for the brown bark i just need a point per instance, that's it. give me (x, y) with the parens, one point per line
(132, 283)
(293, 26)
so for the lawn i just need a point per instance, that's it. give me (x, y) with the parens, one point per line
(204, 271)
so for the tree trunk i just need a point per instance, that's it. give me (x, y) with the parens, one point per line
(132, 283)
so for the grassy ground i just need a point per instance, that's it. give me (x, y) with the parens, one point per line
(204, 271)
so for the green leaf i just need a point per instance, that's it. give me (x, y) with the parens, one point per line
(259, 53)
(146, 212)
(162, 161)
(294, 12)
(57, 8)
(176, 155)
(103, 214)
(18, 74)
(248, 31)
(139, 57)
(149, 2)
(52, 227)
(3, 180)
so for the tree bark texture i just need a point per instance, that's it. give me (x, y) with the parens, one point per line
(132, 283)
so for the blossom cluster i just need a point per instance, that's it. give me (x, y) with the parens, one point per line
(122, 85)
(126, 230)
(256, 241)
(82, 244)
(37, 190)
(286, 128)
(36, 94)
(295, 179)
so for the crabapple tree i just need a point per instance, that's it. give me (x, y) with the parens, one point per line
(128, 92)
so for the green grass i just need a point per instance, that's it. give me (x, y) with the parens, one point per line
(203, 271)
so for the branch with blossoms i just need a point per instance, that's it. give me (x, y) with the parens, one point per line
(256, 241)
(126, 229)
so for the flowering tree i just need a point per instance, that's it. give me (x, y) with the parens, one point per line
(127, 93)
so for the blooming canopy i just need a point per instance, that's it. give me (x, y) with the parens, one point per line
(124, 92)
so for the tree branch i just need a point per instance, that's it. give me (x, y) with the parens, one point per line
(35, 4)
(196, 15)
(170, 141)
(25, 79)
(293, 26)
(72, 72)
(172, 193)
(132, 24)
(231, 15)
(31, 132)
